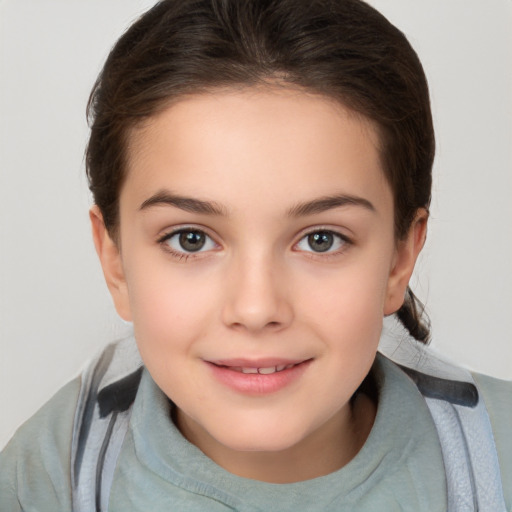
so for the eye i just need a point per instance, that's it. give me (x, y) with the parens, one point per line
(322, 241)
(188, 241)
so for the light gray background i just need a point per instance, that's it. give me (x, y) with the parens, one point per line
(55, 311)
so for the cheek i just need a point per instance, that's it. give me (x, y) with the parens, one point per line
(346, 310)
(171, 315)
(351, 295)
(165, 302)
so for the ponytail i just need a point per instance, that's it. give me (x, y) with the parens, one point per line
(412, 316)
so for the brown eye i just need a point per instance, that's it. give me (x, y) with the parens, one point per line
(321, 241)
(186, 241)
(192, 241)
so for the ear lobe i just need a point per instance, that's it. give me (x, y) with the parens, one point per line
(405, 259)
(111, 262)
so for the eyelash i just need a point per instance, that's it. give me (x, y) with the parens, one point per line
(342, 239)
(184, 256)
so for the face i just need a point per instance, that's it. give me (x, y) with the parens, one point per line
(257, 260)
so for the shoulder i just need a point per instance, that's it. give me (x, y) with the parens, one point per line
(35, 464)
(497, 396)
(466, 407)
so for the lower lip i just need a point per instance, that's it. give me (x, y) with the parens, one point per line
(256, 383)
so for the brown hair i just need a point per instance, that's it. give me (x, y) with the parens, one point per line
(343, 49)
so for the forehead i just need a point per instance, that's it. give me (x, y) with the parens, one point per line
(238, 144)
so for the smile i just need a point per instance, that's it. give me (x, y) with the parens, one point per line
(258, 378)
(262, 371)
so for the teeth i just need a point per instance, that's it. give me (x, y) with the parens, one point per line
(267, 371)
(263, 371)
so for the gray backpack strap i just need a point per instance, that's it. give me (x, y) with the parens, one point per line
(467, 443)
(108, 389)
(469, 453)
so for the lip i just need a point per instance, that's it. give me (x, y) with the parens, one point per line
(228, 373)
(265, 362)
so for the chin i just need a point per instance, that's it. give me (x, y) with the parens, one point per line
(261, 439)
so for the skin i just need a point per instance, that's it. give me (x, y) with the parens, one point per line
(258, 288)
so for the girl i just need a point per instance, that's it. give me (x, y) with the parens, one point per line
(261, 172)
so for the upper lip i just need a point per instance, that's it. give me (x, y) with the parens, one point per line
(266, 362)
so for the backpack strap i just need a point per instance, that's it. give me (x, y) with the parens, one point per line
(472, 469)
(108, 388)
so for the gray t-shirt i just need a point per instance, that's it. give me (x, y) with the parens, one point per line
(400, 466)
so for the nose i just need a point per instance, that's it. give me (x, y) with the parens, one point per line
(257, 296)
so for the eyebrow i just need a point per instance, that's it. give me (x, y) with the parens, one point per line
(200, 206)
(188, 204)
(323, 204)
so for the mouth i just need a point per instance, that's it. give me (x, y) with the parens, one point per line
(267, 370)
(258, 377)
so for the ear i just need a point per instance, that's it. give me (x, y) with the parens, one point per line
(111, 263)
(407, 252)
